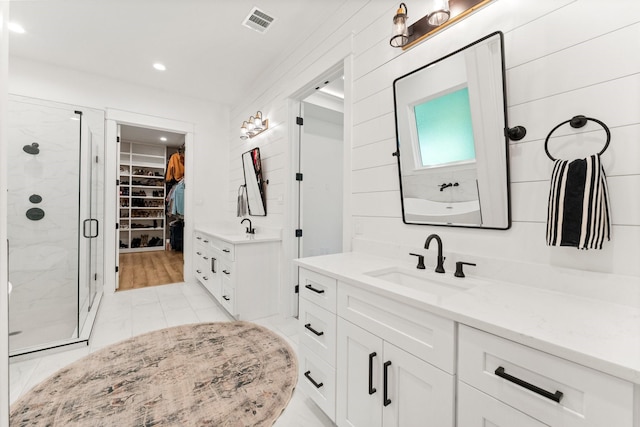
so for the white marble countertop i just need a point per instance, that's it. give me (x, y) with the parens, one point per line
(239, 237)
(601, 335)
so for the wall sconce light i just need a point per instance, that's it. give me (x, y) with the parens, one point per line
(253, 126)
(439, 17)
(399, 31)
(440, 13)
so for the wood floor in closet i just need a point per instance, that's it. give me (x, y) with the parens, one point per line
(144, 269)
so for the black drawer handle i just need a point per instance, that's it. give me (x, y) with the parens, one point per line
(226, 272)
(226, 250)
(371, 388)
(387, 401)
(307, 374)
(205, 257)
(199, 253)
(198, 271)
(556, 397)
(308, 326)
(206, 241)
(226, 298)
(318, 291)
(205, 278)
(199, 238)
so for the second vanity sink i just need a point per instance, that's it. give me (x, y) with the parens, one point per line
(425, 281)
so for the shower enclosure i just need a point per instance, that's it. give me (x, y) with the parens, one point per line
(55, 204)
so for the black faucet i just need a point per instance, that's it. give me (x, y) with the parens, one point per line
(250, 229)
(440, 266)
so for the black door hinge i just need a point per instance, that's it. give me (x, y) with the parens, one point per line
(117, 226)
(297, 289)
(117, 139)
(96, 159)
(298, 177)
(95, 276)
(117, 182)
(298, 232)
(116, 268)
(299, 121)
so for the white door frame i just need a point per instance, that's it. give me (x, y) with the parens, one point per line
(290, 242)
(4, 266)
(114, 118)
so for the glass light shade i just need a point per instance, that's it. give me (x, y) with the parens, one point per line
(257, 122)
(243, 131)
(399, 30)
(440, 13)
(251, 125)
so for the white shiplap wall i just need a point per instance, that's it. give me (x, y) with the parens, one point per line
(563, 57)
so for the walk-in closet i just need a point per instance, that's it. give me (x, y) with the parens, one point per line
(150, 207)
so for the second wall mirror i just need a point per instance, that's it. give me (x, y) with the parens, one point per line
(452, 146)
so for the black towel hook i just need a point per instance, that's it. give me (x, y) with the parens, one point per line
(578, 122)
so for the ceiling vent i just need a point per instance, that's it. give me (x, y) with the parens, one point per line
(258, 20)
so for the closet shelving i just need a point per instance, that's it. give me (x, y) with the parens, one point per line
(142, 197)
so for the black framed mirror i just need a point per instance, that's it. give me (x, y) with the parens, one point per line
(452, 148)
(254, 183)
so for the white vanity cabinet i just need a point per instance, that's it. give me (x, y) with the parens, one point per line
(368, 361)
(512, 380)
(395, 363)
(242, 273)
(317, 332)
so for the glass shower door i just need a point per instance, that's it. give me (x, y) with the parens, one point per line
(44, 224)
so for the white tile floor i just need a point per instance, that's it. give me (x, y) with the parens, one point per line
(125, 314)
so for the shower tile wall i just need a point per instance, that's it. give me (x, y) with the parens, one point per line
(43, 254)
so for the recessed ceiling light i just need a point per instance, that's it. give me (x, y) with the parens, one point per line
(16, 28)
(163, 138)
(160, 67)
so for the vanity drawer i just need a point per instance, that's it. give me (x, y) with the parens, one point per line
(226, 250)
(589, 398)
(228, 297)
(318, 381)
(425, 335)
(318, 288)
(477, 409)
(318, 330)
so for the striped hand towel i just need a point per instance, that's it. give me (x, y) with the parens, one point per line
(578, 213)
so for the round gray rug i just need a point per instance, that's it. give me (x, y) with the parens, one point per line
(207, 374)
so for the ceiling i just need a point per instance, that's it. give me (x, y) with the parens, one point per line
(208, 53)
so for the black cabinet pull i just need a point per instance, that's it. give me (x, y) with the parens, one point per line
(318, 291)
(199, 238)
(206, 241)
(205, 278)
(556, 397)
(226, 272)
(371, 388)
(307, 374)
(387, 401)
(198, 271)
(308, 326)
(205, 257)
(226, 298)
(226, 250)
(213, 265)
(199, 253)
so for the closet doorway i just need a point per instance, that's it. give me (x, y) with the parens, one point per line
(150, 193)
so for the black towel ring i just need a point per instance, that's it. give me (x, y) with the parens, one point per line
(578, 122)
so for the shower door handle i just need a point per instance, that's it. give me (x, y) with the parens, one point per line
(84, 228)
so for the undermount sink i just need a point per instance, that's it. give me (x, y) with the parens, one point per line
(422, 280)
